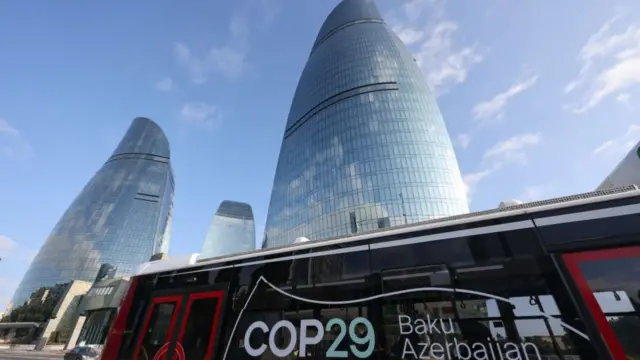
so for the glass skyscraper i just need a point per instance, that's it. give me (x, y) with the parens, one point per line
(232, 230)
(365, 145)
(121, 217)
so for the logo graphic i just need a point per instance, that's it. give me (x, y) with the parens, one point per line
(361, 331)
(319, 330)
(178, 352)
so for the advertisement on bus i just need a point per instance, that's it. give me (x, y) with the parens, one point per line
(419, 337)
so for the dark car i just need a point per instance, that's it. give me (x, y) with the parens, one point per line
(81, 353)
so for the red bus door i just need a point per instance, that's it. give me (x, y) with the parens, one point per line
(609, 282)
(195, 333)
(157, 328)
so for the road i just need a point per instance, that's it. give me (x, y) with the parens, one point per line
(30, 355)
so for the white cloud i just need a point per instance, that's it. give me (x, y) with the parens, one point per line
(619, 145)
(610, 66)
(445, 65)
(10, 249)
(7, 288)
(623, 98)
(269, 9)
(420, 25)
(408, 35)
(533, 193)
(7, 245)
(463, 140)
(604, 146)
(471, 180)
(7, 129)
(495, 107)
(228, 59)
(165, 84)
(13, 258)
(12, 143)
(512, 150)
(414, 10)
(201, 114)
(632, 131)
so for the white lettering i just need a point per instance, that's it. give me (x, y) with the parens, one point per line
(499, 351)
(493, 355)
(440, 350)
(425, 347)
(403, 324)
(432, 325)
(513, 353)
(533, 346)
(461, 345)
(312, 332)
(247, 336)
(292, 339)
(425, 326)
(421, 327)
(304, 339)
(444, 329)
(407, 343)
(481, 353)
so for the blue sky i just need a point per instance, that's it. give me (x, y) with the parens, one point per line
(540, 98)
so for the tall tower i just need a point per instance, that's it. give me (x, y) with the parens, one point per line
(232, 230)
(365, 145)
(120, 217)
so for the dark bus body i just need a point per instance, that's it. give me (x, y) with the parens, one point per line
(556, 279)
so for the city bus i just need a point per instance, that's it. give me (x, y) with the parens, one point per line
(553, 279)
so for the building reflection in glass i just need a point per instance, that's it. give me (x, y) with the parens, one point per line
(121, 217)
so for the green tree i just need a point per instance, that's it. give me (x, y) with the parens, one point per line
(36, 310)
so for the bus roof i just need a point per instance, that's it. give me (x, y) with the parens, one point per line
(192, 260)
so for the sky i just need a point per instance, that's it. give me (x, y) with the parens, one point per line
(540, 98)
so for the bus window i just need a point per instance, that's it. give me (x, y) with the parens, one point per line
(609, 282)
(198, 331)
(158, 327)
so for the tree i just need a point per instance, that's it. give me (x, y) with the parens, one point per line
(36, 309)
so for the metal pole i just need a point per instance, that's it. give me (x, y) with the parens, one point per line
(404, 210)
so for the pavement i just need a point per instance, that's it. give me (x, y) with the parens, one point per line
(30, 355)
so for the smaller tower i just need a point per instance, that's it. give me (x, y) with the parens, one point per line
(232, 230)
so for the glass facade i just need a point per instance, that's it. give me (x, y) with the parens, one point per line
(365, 145)
(121, 216)
(232, 230)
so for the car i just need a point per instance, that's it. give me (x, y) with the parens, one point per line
(81, 353)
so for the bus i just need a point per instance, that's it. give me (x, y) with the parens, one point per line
(553, 279)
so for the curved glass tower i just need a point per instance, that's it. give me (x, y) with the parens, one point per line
(365, 145)
(121, 217)
(232, 230)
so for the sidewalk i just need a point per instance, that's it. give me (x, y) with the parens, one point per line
(10, 354)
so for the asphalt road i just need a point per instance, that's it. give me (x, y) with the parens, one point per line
(30, 355)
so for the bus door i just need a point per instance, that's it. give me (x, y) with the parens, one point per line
(175, 332)
(609, 282)
(158, 328)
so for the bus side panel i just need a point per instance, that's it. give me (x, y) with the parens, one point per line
(112, 345)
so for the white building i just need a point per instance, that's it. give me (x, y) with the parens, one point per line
(627, 172)
(507, 203)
